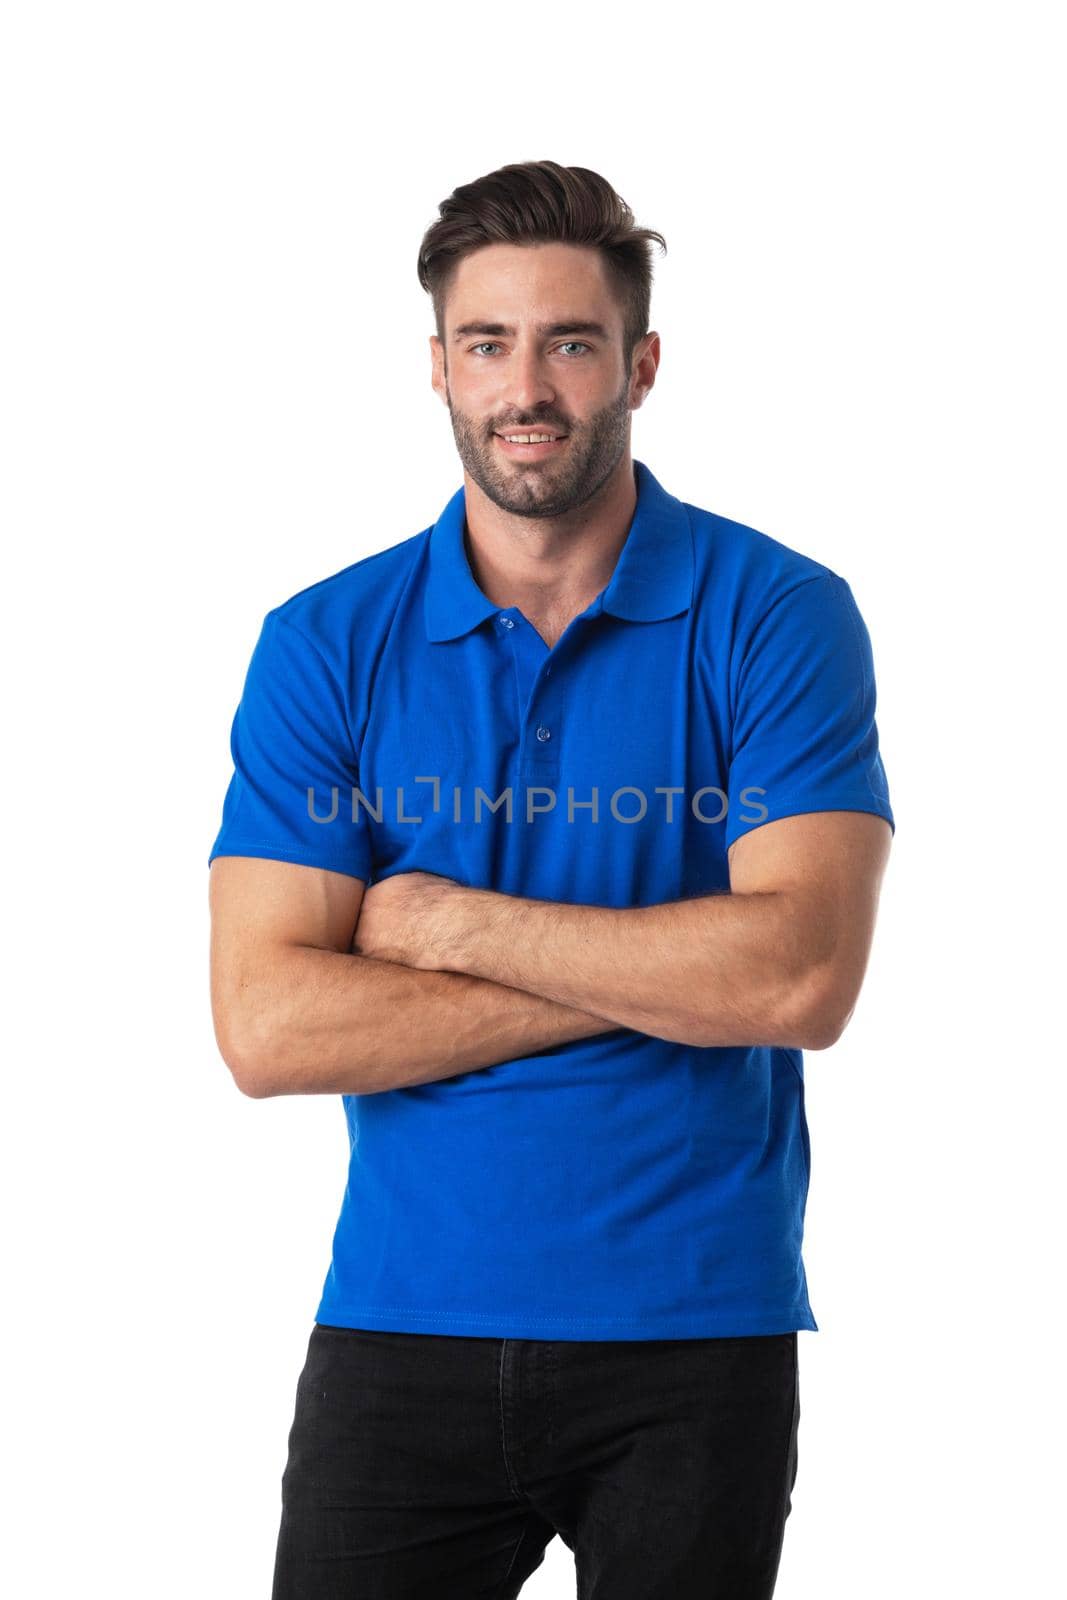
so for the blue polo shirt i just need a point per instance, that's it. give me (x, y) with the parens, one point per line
(394, 719)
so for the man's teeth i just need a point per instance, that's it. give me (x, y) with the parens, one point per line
(530, 438)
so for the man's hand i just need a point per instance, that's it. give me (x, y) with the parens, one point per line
(403, 917)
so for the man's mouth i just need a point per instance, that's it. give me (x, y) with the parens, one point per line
(530, 443)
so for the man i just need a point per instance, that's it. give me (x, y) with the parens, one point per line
(555, 836)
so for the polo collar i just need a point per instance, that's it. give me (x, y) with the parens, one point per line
(652, 580)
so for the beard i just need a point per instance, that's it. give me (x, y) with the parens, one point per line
(561, 482)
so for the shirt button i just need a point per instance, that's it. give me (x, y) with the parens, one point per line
(544, 733)
(507, 622)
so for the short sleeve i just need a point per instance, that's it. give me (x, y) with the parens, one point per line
(804, 734)
(290, 735)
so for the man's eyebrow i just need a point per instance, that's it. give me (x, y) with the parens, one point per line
(498, 330)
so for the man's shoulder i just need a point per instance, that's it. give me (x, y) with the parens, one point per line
(742, 571)
(342, 604)
(737, 547)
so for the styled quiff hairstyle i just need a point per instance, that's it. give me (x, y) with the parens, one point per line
(540, 202)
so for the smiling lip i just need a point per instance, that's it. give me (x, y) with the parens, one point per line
(530, 451)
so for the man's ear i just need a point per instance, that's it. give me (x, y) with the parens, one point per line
(645, 364)
(437, 368)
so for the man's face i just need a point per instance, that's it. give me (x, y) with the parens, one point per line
(533, 344)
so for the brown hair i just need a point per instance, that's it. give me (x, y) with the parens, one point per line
(540, 202)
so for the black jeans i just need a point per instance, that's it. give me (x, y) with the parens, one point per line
(436, 1467)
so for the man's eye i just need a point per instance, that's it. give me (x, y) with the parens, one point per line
(574, 344)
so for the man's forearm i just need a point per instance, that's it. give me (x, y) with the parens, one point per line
(722, 969)
(329, 1023)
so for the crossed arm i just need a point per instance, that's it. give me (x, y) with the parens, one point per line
(439, 978)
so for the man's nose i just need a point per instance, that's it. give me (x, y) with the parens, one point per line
(529, 382)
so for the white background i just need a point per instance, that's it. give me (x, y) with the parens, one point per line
(216, 391)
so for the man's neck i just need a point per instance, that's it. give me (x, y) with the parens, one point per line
(550, 568)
